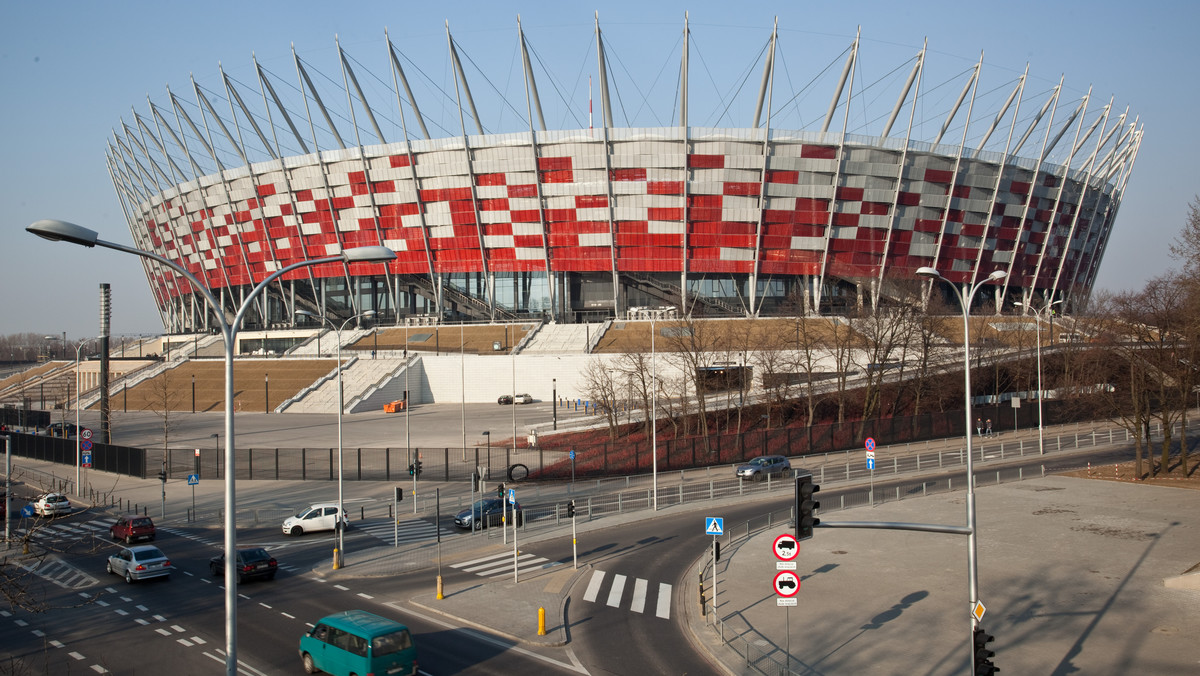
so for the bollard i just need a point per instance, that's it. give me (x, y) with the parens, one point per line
(541, 621)
(703, 607)
(337, 559)
(440, 595)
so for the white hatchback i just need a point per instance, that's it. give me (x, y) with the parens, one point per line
(321, 516)
(52, 504)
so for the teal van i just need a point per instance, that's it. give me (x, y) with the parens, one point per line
(358, 643)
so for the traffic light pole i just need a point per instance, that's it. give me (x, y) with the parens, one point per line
(574, 543)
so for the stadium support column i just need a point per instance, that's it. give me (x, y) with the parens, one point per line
(105, 320)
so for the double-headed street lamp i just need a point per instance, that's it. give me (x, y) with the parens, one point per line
(1037, 322)
(69, 232)
(341, 529)
(965, 295)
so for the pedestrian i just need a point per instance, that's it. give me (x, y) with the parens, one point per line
(989, 427)
(979, 426)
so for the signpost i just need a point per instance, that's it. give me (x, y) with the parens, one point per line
(714, 526)
(194, 479)
(871, 466)
(512, 500)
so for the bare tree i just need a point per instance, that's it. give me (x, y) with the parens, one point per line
(601, 387)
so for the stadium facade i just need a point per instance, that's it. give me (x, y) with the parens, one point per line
(585, 224)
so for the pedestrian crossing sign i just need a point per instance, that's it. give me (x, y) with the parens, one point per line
(714, 525)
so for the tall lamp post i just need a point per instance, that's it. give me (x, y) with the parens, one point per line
(339, 555)
(1037, 322)
(78, 443)
(965, 295)
(55, 230)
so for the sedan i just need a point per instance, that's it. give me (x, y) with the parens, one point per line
(251, 563)
(51, 504)
(486, 512)
(763, 466)
(140, 563)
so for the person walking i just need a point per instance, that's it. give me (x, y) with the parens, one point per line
(979, 426)
(988, 429)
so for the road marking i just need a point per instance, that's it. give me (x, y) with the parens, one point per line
(594, 586)
(664, 601)
(574, 665)
(614, 592)
(638, 604)
(474, 561)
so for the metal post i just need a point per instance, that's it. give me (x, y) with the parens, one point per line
(554, 399)
(7, 490)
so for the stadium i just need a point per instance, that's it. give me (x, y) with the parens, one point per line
(591, 223)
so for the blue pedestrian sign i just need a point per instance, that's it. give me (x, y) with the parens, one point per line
(193, 479)
(714, 525)
(512, 496)
(871, 464)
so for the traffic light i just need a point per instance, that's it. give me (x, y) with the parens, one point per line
(500, 491)
(571, 509)
(806, 506)
(162, 476)
(716, 550)
(399, 494)
(415, 469)
(983, 656)
(474, 481)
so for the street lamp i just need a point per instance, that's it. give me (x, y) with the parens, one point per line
(1037, 322)
(78, 443)
(965, 295)
(341, 530)
(55, 230)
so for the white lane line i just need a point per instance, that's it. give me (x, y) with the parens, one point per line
(593, 587)
(522, 560)
(575, 665)
(638, 604)
(614, 592)
(664, 601)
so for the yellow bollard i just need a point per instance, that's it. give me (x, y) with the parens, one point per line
(541, 621)
(337, 559)
(440, 595)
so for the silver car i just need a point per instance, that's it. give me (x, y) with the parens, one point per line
(140, 563)
(52, 504)
(764, 465)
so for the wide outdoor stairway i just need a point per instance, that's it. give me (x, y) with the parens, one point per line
(360, 374)
(561, 338)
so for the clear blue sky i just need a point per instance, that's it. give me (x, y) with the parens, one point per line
(72, 70)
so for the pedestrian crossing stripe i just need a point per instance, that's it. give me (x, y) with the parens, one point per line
(637, 602)
(499, 565)
(412, 530)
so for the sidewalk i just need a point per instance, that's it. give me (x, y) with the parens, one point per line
(1071, 572)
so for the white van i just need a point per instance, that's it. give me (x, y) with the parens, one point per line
(321, 516)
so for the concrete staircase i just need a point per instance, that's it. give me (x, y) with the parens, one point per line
(561, 339)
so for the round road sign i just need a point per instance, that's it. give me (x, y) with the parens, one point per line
(786, 547)
(870, 444)
(787, 583)
(85, 433)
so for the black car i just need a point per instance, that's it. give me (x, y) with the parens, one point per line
(251, 563)
(64, 430)
(487, 512)
(505, 399)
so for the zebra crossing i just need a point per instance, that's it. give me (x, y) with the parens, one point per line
(60, 573)
(501, 565)
(637, 598)
(411, 530)
(60, 531)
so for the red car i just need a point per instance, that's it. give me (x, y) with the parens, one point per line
(132, 527)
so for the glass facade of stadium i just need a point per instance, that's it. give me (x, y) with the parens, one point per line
(590, 224)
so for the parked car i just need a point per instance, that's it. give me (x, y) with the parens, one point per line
(321, 516)
(358, 642)
(762, 466)
(487, 512)
(140, 563)
(251, 563)
(132, 527)
(51, 504)
(524, 399)
(505, 399)
(59, 429)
